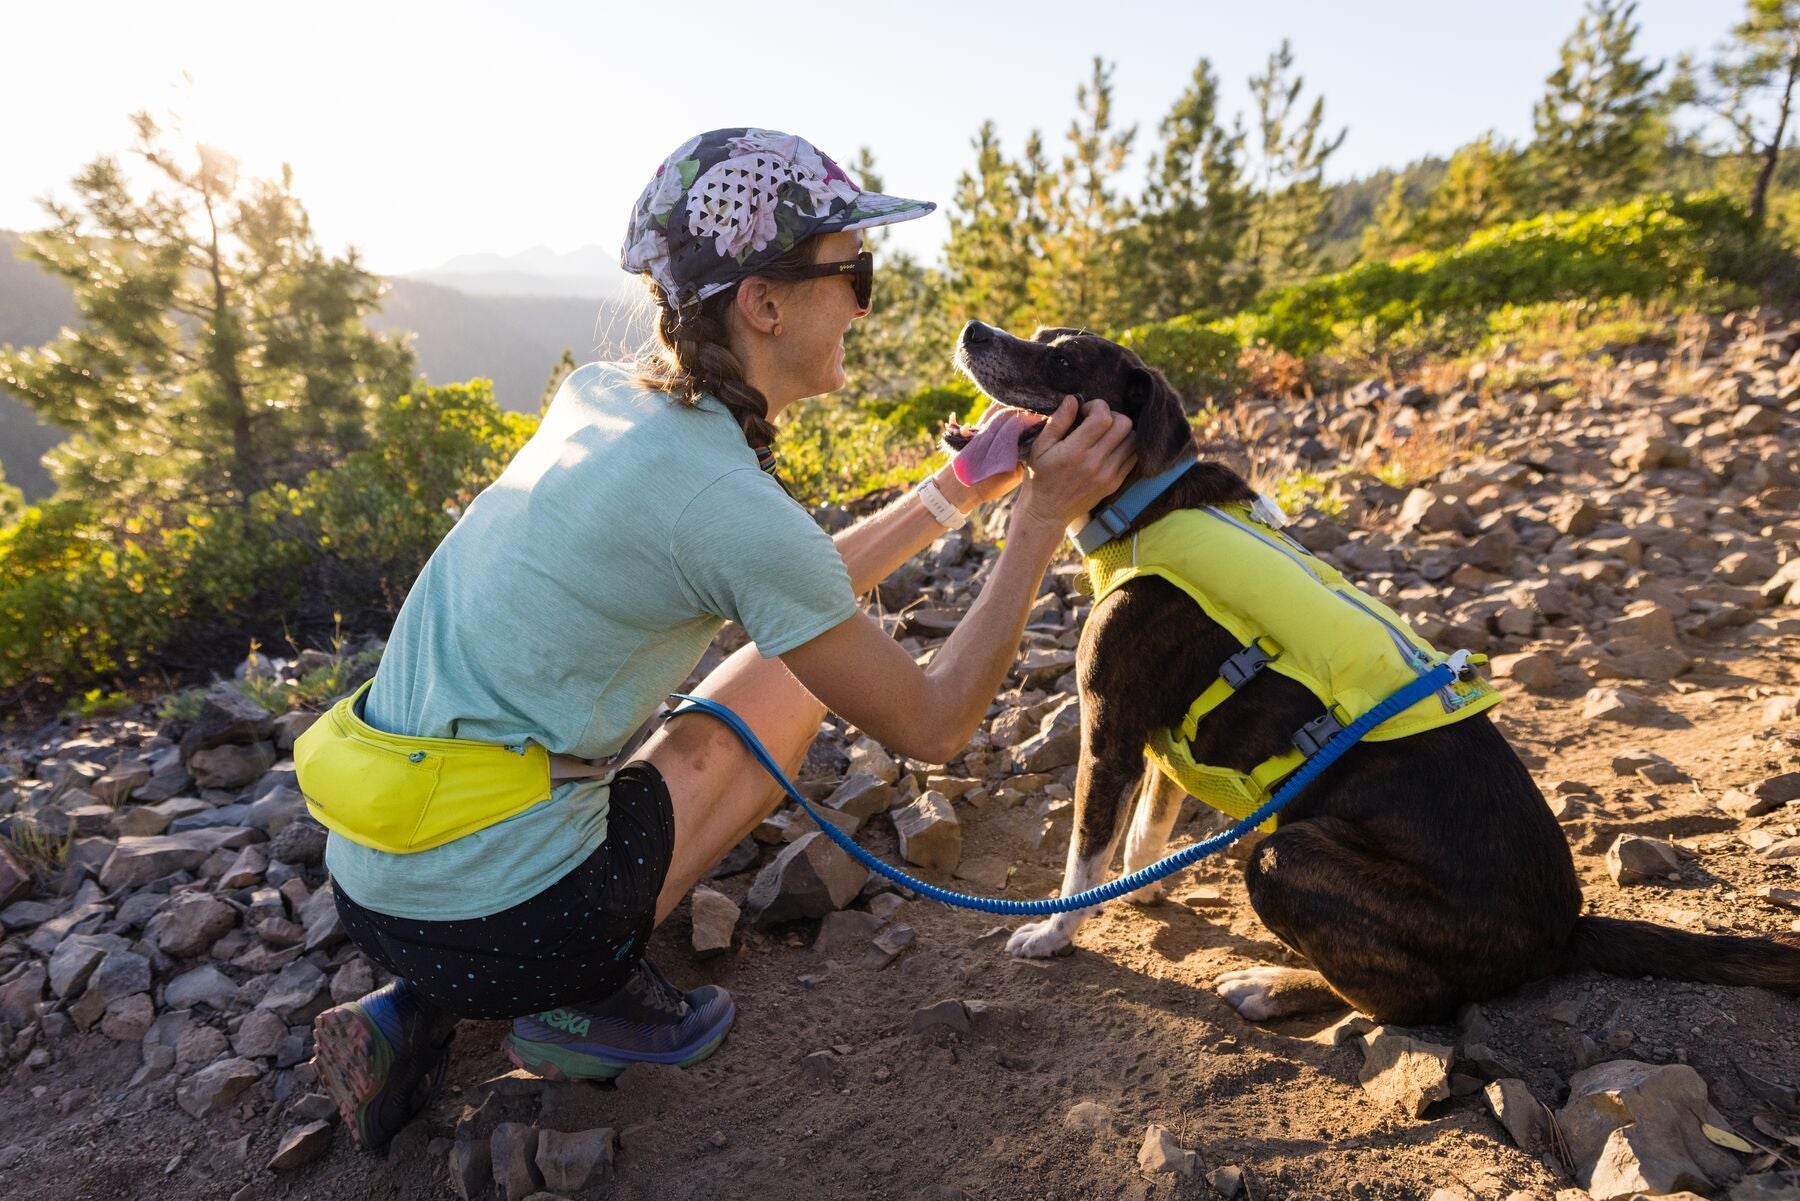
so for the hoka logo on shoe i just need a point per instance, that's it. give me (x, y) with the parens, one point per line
(569, 1023)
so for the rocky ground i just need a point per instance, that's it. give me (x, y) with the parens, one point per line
(1623, 539)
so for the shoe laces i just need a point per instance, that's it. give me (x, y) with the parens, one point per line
(655, 990)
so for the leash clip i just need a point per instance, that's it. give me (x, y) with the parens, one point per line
(1458, 662)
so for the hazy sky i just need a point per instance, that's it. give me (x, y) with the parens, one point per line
(420, 131)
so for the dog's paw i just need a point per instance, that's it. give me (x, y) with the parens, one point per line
(1252, 991)
(1039, 940)
(1150, 894)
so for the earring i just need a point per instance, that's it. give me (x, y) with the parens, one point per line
(777, 330)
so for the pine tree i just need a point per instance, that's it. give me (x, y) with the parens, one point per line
(1182, 253)
(220, 349)
(1076, 279)
(1483, 185)
(1289, 204)
(994, 227)
(1601, 121)
(1760, 65)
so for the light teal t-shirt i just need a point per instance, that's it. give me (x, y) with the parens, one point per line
(573, 595)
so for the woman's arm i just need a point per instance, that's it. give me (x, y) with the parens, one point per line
(875, 547)
(930, 713)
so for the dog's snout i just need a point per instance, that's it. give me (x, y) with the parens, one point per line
(975, 333)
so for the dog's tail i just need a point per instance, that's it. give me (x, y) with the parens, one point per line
(1627, 948)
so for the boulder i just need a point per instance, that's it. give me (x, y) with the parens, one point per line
(1529, 670)
(137, 861)
(128, 1019)
(215, 1086)
(810, 878)
(1633, 859)
(514, 1148)
(471, 1168)
(1057, 742)
(1636, 1128)
(205, 985)
(861, 795)
(1161, 1154)
(930, 834)
(1527, 1119)
(1622, 705)
(869, 756)
(226, 716)
(568, 1161)
(715, 917)
(300, 1146)
(15, 877)
(293, 989)
(232, 765)
(190, 923)
(1404, 1071)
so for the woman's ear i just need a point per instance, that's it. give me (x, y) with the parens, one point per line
(758, 304)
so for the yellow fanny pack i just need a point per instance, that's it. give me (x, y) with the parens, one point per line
(403, 794)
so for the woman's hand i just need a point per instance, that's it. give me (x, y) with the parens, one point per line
(1073, 466)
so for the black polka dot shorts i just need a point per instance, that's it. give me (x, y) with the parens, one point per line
(577, 941)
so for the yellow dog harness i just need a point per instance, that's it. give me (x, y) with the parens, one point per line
(1297, 616)
(400, 794)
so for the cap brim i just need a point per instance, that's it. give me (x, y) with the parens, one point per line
(875, 208)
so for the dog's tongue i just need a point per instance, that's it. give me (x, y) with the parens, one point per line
(994, 450)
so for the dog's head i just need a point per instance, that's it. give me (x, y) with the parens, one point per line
(1058, 362)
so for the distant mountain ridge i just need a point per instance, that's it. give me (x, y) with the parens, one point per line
(512, 338)
(591, 271)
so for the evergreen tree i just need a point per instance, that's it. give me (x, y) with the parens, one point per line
(558, 374)
(220, 349)
(1761, 65)
(1289, 204)
(995, 224)
(1182, 253)
(1601, 121)
(12, 501)
(1483, 185)
(1076, 277)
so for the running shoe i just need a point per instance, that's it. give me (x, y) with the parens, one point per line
(381, 1058)
(647, 1021)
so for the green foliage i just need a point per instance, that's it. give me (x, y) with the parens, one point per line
(97, 702)
(1181, 255)
(12, 501)
(1757, 69)
(183, 705)
(1484, 184)
(924, 411)
(1076, 273)
(1293, 148)
(82, 598)
(1601, 121)
(219, 351)
(1200, 360)
(832, 452)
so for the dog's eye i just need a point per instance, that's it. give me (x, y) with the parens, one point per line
(1062, 360)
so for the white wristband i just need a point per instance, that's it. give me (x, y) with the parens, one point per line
(939, 506)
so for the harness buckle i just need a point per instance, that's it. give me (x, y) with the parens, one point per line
(1240, 668)
(1113, 520)
(1309, 738)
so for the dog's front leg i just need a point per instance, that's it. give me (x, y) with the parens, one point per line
(1103, 788)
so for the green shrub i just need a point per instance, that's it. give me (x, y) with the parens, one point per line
(924, 411)
(86, 596)
(1698, 249)
(1200, 360)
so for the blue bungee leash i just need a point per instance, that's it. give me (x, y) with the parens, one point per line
(1441, 676)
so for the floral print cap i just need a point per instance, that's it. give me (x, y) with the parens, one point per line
(732, 200)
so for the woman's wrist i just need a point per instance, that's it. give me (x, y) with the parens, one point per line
(954, 490)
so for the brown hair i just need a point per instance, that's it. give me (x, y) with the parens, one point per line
(690, 355)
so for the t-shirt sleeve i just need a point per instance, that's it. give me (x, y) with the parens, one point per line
(746, 552)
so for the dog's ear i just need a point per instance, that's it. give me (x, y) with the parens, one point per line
(1157, 419)
(1050, 333)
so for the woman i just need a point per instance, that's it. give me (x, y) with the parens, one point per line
(585, 584)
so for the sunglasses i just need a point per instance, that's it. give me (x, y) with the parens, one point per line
(860, 269)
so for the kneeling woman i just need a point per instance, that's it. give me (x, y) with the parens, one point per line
(523, 877)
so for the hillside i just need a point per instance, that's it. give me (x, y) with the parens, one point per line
(514, 340)
(1620, 531)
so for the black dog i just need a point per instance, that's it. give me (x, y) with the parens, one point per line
(1416, 875)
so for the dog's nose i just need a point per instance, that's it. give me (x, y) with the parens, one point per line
(975, 333)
